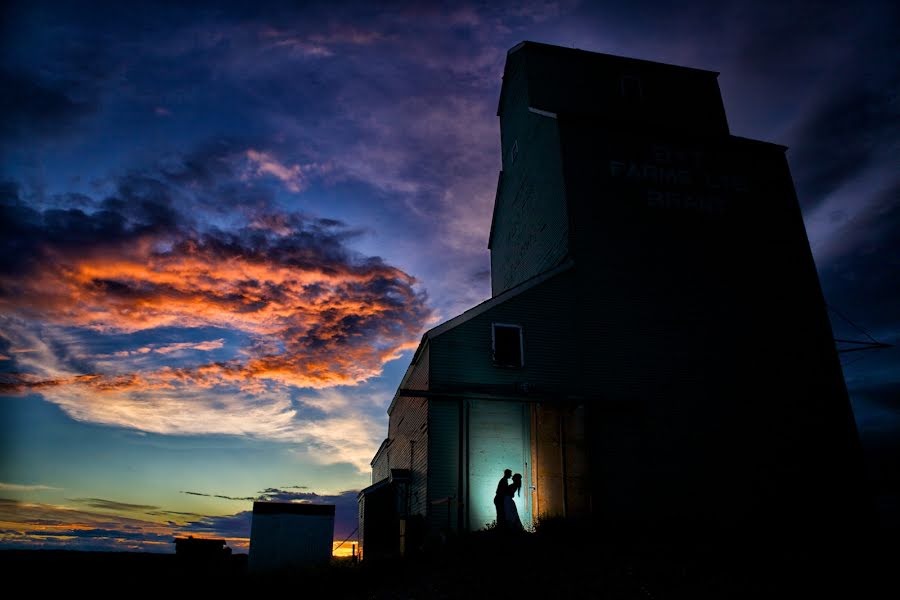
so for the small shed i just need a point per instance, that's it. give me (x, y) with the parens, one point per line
(192, 548)
(285, 535)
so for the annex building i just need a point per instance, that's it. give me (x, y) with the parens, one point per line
(656, 354)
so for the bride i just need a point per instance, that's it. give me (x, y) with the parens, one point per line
(509, 504)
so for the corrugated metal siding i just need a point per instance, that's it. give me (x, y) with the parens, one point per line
(443, 464)
(464, 355)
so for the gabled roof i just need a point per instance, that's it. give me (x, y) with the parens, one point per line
(375, 486)
(474, 312)
(499, 299)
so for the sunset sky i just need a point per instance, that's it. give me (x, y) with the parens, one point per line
(223, 230)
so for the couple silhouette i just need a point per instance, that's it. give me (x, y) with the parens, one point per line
(507, 513)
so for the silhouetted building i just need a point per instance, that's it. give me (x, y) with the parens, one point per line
(191, 548)
(656, 354)
(284, 535)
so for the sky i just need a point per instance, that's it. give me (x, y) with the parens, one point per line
(225, 228)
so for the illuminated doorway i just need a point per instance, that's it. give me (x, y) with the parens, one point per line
(499, 437)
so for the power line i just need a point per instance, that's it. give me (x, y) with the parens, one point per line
(852, 324)
(345, 539)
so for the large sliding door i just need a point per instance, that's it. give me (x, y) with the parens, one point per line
(499, 437)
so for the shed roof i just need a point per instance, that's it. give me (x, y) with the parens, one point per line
(292, 508)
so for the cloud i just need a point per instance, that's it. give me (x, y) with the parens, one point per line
(177, 348)
(251, 498)
(114, 505)
(346, 508)
(301, 309)
(31, 106)
(294, 177)
(37, 525)
(234, 527)
(337, 317)
(18, 487)
(317, 44)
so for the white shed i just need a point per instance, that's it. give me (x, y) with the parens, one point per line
(285, 535)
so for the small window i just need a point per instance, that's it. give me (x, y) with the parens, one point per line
(508, 347)
(631, 88)
(514, 152)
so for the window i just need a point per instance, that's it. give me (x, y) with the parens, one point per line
(514, 152)
(507, 345)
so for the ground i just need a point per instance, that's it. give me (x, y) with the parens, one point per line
(560, 564)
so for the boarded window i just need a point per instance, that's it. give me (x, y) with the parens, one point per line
(508, 347)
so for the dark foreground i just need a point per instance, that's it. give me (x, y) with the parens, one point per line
(487, 565)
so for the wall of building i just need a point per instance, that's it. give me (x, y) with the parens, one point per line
(498, 438)
(559, 460)
(408, 432)
(279, 541)
(622, 92)
(381, 466)
(463, 355)
(379, 525)
(705, 340)
(444, 444)
(530, 227)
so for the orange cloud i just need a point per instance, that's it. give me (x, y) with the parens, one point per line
(336, 322)
(314, 316)
(36, 525)
(265, 163)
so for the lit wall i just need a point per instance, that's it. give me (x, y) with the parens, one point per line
(499, 438)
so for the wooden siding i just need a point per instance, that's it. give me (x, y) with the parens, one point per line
(559, 455)
(463, 355)
(443, 464)
(530, 228)
(381, 468)
(408, 432)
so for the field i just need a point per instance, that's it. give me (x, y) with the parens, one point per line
(487, 565)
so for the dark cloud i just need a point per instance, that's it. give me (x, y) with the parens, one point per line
(141, 261)
(34, 525)
(31, 107)
(114, 505)
(346, 510)
(842, 136)
(236, 525)
(251, 498)
(115, 535)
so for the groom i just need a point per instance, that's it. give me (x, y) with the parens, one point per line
(502, 487)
